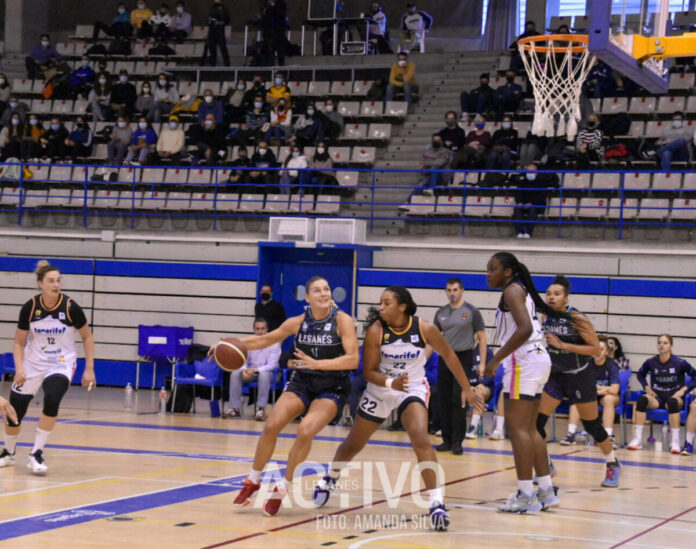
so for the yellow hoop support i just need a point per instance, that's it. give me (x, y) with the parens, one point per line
(530, 42)
(663, 47)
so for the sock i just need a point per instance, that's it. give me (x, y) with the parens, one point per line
(11, 442)
(689, 438)
(284, 484)
(40, 440)
(526, 487)
(611, 457)
(572, 428)
(475, 418)
(255, 476)
(545, 483)
(675, 436)
(610, 432)
(333, 472)
(499, 423)
(638, 432)
(435, 496)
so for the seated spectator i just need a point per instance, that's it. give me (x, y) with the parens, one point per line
(516, 64)
(99, 99)
(123, 95)
(600, 81)
(257, 89)
(79, 142)
(474, 153)
(504, 145)
(333, 121)
(480, 100)
(279, 90)
(159, 24)
(436, 157)
(180, 24)
(14, 106)
(208, 141)
(674, 143)
(378, 29)
(234, 102)
(165, 97)
(238, 178)
(33, 132)
(308, 128)
(509, 95)
(5, 91)
(121, 139)
(453, 137)
(414, 24)
(262, 159)
(52, 143)
(531, 148)
(377, 91)
(11, 138)
(256, 122)
(530, 198)
(143, 143)
(210, 105)
(259, 367)
(145, 101)
(294, 177)
(82, 79)
(402, 78)
(280, 127)
(172, 141)
(120, 24)
(142, 14)
(322, 182)
(616, 353)
(588, 144)
(101, 68)
(40, 58)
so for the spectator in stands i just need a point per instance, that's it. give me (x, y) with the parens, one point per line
(238, 177)
(171, 142)
(209, 141)
(121, 138)
(616, 353)
(504, 146)
(143, 143)
(99, 99)
(600, 81)
(294, 177)
(530, 198)
(101, 68)
(210, 105)
(142, 14)
(79, 142)
(280, 127)
(377, 91)
(257, 88)
(273, 25)
(41, 57)
(120, 24)
(234, 102)
(11, 138)
(33, 132)
(509, 95)
(402, 78)
(674, 143)
(415, 24)
(515, 59)
(145, 101)
(5, 91)
(262, 159)
(480, 100)
(531, 148)
(378, 29)
(333, 121)
(279, 90)
(180, 24)
(435, 157)
(308, 127)
(165, 97)
(256, 121)
(323, 182)
(218, 19)
(123, 95)
(268, 308)
(159, 24)
(475, 151)
(589, 144)
(453, 137)
(53, 141)
(82, 78)
(14, 106)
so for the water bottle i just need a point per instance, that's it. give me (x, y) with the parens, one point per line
(479, 430)
(162, 400)
(665, 437)
(129, 396)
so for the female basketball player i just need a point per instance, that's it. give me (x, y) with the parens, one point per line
(327, 350)
(666, 390)
(394, 361)
(572, 342)
(45, 356)
(527, 365)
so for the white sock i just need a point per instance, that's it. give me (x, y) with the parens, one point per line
(40, 440)
(572, 428)
(638, 432)
(499, 423)
(255, 476)
(333, 472)
(611, 457)
(689, 438)
(475, 418)
(545, 483)
(610, 432)
(675, 436)
(435, 496)
(284, 484)
(11, 443)
(526, 487)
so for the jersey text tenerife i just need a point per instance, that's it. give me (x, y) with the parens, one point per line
(403, 353)
(320, 340)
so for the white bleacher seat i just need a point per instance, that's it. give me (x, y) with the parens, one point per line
(655, 128)
(227, 202)
(61, 173)
(577, 180)
(667, 104)
(642, 105)
(666, 182)
(100, 151)
(327, 205)
(41, 106)
(465, 179)
(10, 196)
(340, 155)
(361, 87)
(58, 197)
(251, 202)
(355, 131)
(420, 205)
(341, 87)
(126, 175)
(78, 199)
(523, 128)
(66, 49)
(502, 206)
(684, 208)
(348, 179)
(63, 106)
(276, 203)
(364, 155)
(185, 87)
(349, 108)
(396, 108)
(611, 105)
(606, 181)
(22, 85)
(176, 175)
(581, 23)
(129, 199)
(689, 183)
(557, 21)
(298, 88)
(592, 207)
(199, 32)
(294, 204)
(178, 200)
(199, 177)
(84, 31)
(164, 66)
(371, 108)
(153, 175)
(154, 200)
(128, 66)
(691, 104)
(319, 89)
(35, 198)
(449, 206)
(282, 153)
(630, 208)
(146, 68)
(379, 131)
(681, 80)
(565, 207)
(210, 85)
(202, 201)
(106, 198)
(82, 47)
(637, 128)
(38, 86)
(80, 106)
(684, 18)
(184, 50)
(653, 208)
(477, 205)
(596, 104)
(198, 49)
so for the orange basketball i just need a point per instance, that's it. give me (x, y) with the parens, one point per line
(230, 354)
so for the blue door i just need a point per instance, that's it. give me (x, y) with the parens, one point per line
(294, 276)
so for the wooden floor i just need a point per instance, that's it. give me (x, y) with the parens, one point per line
(133, 478)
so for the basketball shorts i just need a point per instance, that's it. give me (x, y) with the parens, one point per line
(578, 387)
(377, 402)
(526, 372)
(664, 396)
(309, 387)
(36, 375)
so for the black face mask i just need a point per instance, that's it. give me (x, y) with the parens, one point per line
(451, 123)
(510, 79)
(265, 296)
(437, 144)
(80, 126)
(592, 124)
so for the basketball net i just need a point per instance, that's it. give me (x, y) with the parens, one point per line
(557, 66)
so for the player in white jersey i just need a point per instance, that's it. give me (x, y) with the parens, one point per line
(45, 355)
(394, 360)
(527, 366)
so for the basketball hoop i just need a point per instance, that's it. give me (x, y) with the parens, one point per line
(557, 65)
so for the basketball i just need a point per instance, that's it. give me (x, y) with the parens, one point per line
(230, 354)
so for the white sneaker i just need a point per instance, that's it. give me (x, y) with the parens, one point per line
(526, 235)
(676, 449)
(496, 435)
(36, 464)
(520, 235)
(635, 444)
(6, 459)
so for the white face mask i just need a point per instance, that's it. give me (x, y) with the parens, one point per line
(33, 121)
(208, 123)
(262, 151)
(329, 108)
(121, 124)
(208, 98)
(279, 81)
(310, 112)
(258, 105)
(85, 63)
(162, 83)
(677, 123)
(146, 91)
(507, 125)
(321, 150)
(142, 125)
(402, 63)
(173, 125)
(45, 43)
(124, 79)
(15, 121)
(295, 154)
(531, 176)
(121, 10)
(180, 9)
(241, 87)
(102, 81)
(2, 81)
(141, 6)
(13, 104)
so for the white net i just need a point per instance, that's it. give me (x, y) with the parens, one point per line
(557, 70)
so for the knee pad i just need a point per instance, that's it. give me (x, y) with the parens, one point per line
(673, 406)
(20, 403)
(54, 387)
(594, 427)
(541, 424)
(642, 404)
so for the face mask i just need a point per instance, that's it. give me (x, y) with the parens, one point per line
(13, 104)
(329, 108)
(480, 126)
(55, 127)
(507, 125)
(451, 122)
(15, 121)
(121, 124)
(124, 79)
(295, 154)
(85, 63)
(102, 81)
(208, 123)
(2, 81)
(321, 150)
(180, 9)
(310, 112)
(257, 83)
(80, 126)
(402, 63)
(33, 121)
(141, 6)
(162, 83)
(484, 82)
(146, 91)
(437, 144)
(142, 125)
(676, 123)
(265, 296)
(173, 125)
(281, 106)
(592, 124)
(531, 176)
(241, 87)
(208, 98)
(262, 151)
(510, 79)
(278, 81)
(121, 11)
(44, 43)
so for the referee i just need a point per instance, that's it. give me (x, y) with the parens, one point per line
(461, 324)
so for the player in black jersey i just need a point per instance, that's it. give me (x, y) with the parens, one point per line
(326, 351)
(45, 356)
(572, 342)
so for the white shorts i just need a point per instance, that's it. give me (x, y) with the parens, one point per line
(36, 376)
(377, 402)
(526, 371)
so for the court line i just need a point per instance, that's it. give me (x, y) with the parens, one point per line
(655, 527)
(3, 495)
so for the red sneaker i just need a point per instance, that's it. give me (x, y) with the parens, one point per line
(272, 506)
(244, 497)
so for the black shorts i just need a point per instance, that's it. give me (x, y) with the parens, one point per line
(578, 387)
(663, 396)
(309, 387)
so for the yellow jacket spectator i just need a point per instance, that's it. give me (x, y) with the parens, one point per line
(140, 14)
(279, 90)
(402, 78)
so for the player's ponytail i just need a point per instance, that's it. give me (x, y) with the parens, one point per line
(43, 267)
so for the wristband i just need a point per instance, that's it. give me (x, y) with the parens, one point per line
(388, 383)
